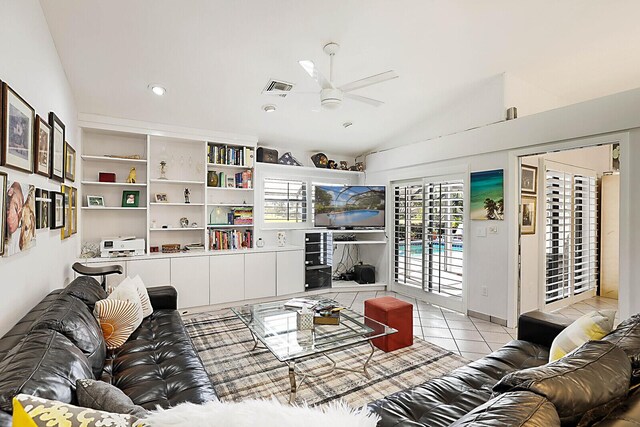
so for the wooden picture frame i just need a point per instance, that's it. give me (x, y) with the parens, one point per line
(3, 206)
(65, 232)
(58, 137)
(74, 210)
(42, 149)
(161, 198)
(70, 162)
(57, 209)
(130, 198)
(529, 179)
(18, 125)
(529, 213)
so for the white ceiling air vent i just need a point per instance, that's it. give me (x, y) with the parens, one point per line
(277, 85)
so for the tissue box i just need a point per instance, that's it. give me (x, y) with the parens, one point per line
(305, 320)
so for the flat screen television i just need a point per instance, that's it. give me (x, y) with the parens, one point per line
(343, 206)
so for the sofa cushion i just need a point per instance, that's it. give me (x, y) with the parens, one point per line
(72, 318)
(627, 337)
(158, 365)
(24, 325)
(591, 326)
(626, 414)
(442, 401)
(96, 394)
(45, 364)
(592, 376)
(517, 409)
(86, 289)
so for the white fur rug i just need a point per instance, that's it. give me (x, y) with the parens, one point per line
(265, 413)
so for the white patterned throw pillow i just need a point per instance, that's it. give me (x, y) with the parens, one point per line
(120, 314)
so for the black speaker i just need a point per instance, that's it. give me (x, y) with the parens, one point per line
(364, 273)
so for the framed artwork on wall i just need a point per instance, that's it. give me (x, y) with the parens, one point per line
(65, 232)
(3, 207)
(130, 199)
(529, 179)
(57, 147)
(42, 163)
(18, 124)
(20, 218)
(487, 195)
(74, 210)
(70, 165)
(42, 208)
(528, 225)
(57, 209)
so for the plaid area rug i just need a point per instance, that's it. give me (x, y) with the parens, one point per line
(224, 343)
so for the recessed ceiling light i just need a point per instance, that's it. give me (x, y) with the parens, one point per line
(157, 89)
(269, 108)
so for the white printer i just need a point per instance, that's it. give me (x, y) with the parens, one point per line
(121, 247)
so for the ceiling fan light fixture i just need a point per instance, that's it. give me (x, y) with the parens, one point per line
(269, 108)
(157, 89)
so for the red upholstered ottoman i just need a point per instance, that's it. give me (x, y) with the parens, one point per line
(395, 313)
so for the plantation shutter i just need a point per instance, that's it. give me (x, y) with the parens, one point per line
(428, 236)
(285, 201)
(409, 233)
(570, 234)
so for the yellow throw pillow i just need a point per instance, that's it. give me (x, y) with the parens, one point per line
(591, 326)
(31, 411)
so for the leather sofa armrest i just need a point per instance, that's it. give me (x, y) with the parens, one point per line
(163, 297)
(541, 328)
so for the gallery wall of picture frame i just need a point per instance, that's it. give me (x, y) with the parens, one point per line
(30, 144)
(528, 199)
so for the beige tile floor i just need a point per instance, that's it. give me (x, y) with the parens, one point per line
(469, 337)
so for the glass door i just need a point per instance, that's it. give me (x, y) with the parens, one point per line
(429, 239)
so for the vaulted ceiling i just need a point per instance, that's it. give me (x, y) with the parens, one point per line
(215, 56)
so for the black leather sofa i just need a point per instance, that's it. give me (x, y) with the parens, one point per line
(514, 386)
(59, 341)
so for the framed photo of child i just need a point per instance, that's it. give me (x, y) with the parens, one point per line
(130, 199)
(20, 218)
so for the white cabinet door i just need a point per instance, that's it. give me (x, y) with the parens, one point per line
(153, 272)
(259, 275)
(190, 277)
(290, 272)
(226, 278)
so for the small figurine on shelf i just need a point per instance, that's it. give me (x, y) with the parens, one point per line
(131, 179)
(187, 193)
(343, 165)
(163, 170)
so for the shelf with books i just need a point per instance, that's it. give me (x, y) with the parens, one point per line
(230, 155)
(229, 225)
(241, 180)
(234, 239)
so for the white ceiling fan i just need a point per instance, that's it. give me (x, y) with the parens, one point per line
(331, 95)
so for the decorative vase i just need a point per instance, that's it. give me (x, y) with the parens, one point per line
(212, 179)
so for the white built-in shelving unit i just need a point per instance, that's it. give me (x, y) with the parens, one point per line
(187, 167)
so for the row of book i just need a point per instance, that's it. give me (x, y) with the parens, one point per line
(242, 216)
(237, 180)
(230, 239)
(225, 155)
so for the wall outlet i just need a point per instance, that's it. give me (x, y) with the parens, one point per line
(485, 291)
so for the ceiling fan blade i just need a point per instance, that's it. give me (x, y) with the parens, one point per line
(364, 99)
(284, 92)
(368, 81)
(315, 74)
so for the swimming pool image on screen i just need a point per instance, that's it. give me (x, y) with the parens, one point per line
(349, 206)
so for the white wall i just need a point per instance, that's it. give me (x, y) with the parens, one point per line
(597, 159)
(499, 145)
(30, 65)
(528, 98)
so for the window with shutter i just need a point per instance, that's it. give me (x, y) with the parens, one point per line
(285, 201)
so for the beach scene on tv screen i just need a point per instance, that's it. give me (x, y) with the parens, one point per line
(344, 206)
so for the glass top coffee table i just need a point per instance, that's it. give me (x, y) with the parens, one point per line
(275, 326)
